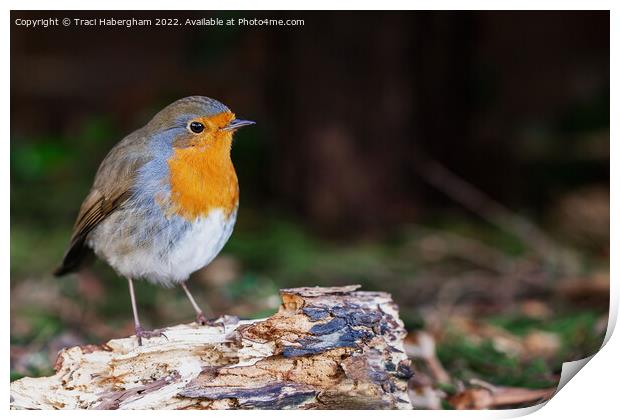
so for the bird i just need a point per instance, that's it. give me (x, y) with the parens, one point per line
(163, 202)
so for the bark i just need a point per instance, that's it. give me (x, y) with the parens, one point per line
(325, 348)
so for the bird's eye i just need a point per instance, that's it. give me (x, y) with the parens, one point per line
(196, 127)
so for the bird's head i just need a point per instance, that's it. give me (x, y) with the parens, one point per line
(197, 122)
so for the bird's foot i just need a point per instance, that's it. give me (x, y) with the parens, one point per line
(201, 319)
(141, 333)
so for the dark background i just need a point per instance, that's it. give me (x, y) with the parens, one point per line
(457, 160)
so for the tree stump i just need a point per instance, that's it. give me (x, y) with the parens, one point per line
(326, 348)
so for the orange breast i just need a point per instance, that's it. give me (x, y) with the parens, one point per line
(202, 178)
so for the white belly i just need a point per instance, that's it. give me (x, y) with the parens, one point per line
(201, 244)
(165, 264)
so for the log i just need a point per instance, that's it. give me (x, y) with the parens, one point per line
(325, 348)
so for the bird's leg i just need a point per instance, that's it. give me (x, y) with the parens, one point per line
(134, 307)
(200, 316)
(140, 333)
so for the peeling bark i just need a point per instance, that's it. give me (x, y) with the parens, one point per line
(326, 348)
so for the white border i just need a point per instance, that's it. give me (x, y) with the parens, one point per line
(593, 393)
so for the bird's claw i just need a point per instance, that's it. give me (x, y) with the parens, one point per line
(201, 319)
(141, 333)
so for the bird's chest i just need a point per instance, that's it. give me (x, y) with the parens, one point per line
(201, 183)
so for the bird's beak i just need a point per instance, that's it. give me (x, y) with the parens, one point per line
(237, 123)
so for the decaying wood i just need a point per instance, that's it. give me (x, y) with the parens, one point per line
(324, 348)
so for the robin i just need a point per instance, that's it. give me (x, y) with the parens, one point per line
(164, 200)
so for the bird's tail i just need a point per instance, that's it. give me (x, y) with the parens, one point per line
(76, 256)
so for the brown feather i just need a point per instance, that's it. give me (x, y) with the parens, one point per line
(111, 189)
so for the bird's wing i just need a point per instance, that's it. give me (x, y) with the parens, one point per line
(112, 188)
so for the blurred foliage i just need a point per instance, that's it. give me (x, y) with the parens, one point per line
(466, 359)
